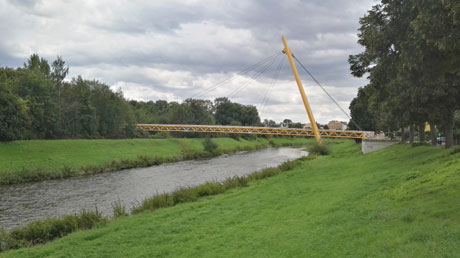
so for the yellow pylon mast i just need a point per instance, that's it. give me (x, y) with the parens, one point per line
(287, 51)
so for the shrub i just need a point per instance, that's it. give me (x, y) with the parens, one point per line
(416, 144)
(119, 210)
(288, 165)
(209, 145)
(186, 194)
(235, 136)
(318, 149)
(209, 189)
(42, 231)
(249, 137)
(156, 202)
(456, 150)
(268, 172)
(235, 182)
(161, 135)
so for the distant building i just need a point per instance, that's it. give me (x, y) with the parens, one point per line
(337, 125)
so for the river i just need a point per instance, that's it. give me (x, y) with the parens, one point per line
(22, 203)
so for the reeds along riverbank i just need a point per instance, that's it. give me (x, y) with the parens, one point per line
(28, 161)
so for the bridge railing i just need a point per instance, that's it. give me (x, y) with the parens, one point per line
(253, 130)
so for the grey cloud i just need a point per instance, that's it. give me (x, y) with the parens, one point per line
(118, 42)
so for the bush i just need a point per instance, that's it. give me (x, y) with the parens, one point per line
(209, 145)
(208, 189)
(119, 210)
(156, 202)
(234, 136)
(416, 144)
(42, 231)
(249, 137)
(161, 135)
(318, 149)
(456, 150)
(268, 172)
(185, 195)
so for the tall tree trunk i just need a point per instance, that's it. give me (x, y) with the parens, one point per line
(411, 133)
(421, 132)
(403, 134)
(434, 141)
(449, 131)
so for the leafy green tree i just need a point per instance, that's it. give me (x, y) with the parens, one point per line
(228, 112)
(270, 123)
(13, 117)
(39, 64)
(411, 57)
(39, 95)
(86, 111)
(359, 110)
(58, 73)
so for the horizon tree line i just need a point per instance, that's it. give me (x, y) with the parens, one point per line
(36, 102)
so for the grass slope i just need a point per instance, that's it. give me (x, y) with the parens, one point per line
(399, 202)
(22, 159)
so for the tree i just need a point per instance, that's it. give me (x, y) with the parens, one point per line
(58, 73)
(228, 112)
(39, 94)
(59, 70)
(38, 64)
(413, 63)
(359, 110)
(13, 118)
(269, 123)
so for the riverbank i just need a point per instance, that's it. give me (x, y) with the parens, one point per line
(398, 202)
(24, 161)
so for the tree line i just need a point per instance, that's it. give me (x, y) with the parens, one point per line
(36, 102)
(412, 58)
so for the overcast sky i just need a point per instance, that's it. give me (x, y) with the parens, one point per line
(174, 49)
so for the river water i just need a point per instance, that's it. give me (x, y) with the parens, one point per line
(23, 203)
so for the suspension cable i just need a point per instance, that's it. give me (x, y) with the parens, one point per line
(327, 93)
(274, 79)
(244, 71)
(252, 79)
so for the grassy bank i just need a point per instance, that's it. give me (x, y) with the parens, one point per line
(23, 161)
(398, 202)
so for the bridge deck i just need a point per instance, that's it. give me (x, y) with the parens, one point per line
(252, 130)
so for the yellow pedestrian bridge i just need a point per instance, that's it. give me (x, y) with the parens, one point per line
(313, 132)
(253, 130)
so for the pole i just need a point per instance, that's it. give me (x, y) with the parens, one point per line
(287, 51)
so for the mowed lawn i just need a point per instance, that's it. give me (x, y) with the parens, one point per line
(53, 155)
(399, 202)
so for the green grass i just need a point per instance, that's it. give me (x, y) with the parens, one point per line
(43, 159)
(399, 202)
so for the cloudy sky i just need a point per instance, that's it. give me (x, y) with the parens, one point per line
(176, 49)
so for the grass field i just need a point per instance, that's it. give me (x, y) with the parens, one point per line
(42, 159)
(399, 202)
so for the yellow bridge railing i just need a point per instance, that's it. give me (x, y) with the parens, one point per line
(253, 130)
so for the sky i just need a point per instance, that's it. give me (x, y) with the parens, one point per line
(177, 49)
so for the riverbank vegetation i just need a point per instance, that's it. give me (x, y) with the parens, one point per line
(412, 58)
(397, 202)
(42, 231)
(34, 160)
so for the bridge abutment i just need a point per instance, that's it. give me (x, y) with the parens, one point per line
(369, 146)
